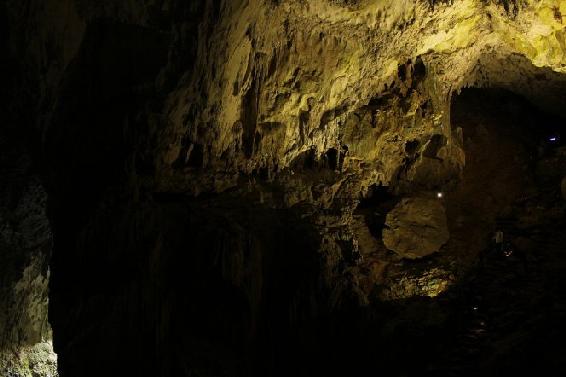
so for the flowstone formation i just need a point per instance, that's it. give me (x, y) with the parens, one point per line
(214, 167)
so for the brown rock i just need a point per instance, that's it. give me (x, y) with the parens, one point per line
(416, 228)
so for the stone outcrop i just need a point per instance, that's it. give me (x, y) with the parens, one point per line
(25, 249)
(428, 282)
(416, 228)
(37, 360)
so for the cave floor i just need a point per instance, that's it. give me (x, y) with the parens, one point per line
(504, 315)
(508, 315)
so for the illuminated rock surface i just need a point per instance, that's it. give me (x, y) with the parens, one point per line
(25, 247)
(416, 228)
(233, 185)
(38, 360)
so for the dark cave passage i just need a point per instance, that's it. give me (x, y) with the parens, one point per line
(498, 308)
(212, 285)
(223, 288)
(502, 135)
(374, 207)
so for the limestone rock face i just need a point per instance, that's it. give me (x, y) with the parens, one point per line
(427, 282)
(416, 228)
(25, 248)
(179, 135)
(25, 241)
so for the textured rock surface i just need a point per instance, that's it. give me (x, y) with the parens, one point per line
(416, 227)
(428, 282)
(36, 360)
(25, 248)
(26, 242)
(214, 167)
(25, 232)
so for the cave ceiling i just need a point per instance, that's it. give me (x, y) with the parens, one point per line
(161, 126)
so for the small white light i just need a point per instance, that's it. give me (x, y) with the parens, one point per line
(475, 308)
(439, 195)
(552, 139)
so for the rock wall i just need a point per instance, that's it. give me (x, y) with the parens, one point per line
(218, 165)
(25, 245)
(25, 232)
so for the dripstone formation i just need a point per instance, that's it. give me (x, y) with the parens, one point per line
(269, 187)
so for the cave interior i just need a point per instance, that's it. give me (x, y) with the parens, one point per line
(273, 188)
